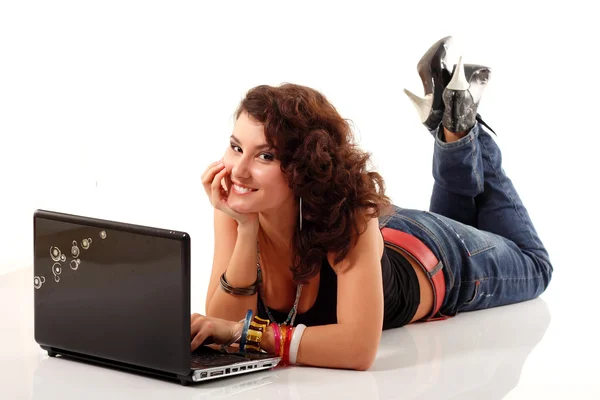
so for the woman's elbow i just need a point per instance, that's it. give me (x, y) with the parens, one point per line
(364, 352)
(364, 366)
(366, 359)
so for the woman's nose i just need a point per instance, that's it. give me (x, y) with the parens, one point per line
(240, 168)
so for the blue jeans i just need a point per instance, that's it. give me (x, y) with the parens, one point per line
(477, 227)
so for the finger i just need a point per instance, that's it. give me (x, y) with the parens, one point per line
(205, 331)
(196, 316)
(219, 193)
(209, 181)
(228, 181)
(211, 165)
(197, 341)
(195, 324)
(209, 173)
(218, 176)
(201, 342)
(216, 183)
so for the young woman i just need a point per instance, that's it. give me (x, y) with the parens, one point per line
(311, 259)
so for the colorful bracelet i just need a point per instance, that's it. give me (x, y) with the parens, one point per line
(288, 340)
(245, 331)
(295, 344)
(255, 333)
(282, 342)
(277, 334)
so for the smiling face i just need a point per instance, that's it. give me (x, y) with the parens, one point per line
(252, 164)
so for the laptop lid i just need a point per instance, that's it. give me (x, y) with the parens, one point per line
(112, 290)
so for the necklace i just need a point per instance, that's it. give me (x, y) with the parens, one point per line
(292, 315)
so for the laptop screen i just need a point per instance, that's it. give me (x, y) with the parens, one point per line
(112, 290)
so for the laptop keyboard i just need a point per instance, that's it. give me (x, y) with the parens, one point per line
(214, 360)
(205, 357)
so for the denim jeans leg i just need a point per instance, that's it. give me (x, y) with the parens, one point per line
(458, 178)
(473, 198)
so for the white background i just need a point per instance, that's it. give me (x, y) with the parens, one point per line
(113, 109)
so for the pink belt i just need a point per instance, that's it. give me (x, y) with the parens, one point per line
(426, 259)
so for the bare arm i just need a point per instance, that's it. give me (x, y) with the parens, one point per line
(351, 343)
(235, 253)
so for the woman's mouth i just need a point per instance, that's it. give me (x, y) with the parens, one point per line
(242, 190)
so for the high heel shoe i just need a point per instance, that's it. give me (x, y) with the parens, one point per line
(434, 76)
(461, 96)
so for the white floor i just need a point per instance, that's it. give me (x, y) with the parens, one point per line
(545, 348)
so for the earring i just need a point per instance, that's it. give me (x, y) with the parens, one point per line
(300, 213)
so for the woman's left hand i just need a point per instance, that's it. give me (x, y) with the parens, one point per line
(207, 330)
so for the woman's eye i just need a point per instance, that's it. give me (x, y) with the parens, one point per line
(268, 157)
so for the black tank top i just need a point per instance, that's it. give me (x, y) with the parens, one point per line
(401, 294)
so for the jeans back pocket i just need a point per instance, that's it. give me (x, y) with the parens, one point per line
(473, 240)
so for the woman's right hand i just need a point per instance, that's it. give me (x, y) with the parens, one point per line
(211, 180)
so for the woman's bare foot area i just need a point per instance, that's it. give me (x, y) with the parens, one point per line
(450, 137)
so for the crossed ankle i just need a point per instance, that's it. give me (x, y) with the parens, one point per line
(450, 137)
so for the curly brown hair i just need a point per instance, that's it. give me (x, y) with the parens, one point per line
(321, 163)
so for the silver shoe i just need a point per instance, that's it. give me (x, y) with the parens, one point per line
(461, 96)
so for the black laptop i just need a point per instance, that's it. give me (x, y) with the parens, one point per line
(118, 294)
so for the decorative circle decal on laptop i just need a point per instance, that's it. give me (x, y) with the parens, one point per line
(75, 249)
(38, 282)
(56, 254)
(56, 270)
(75, 264)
